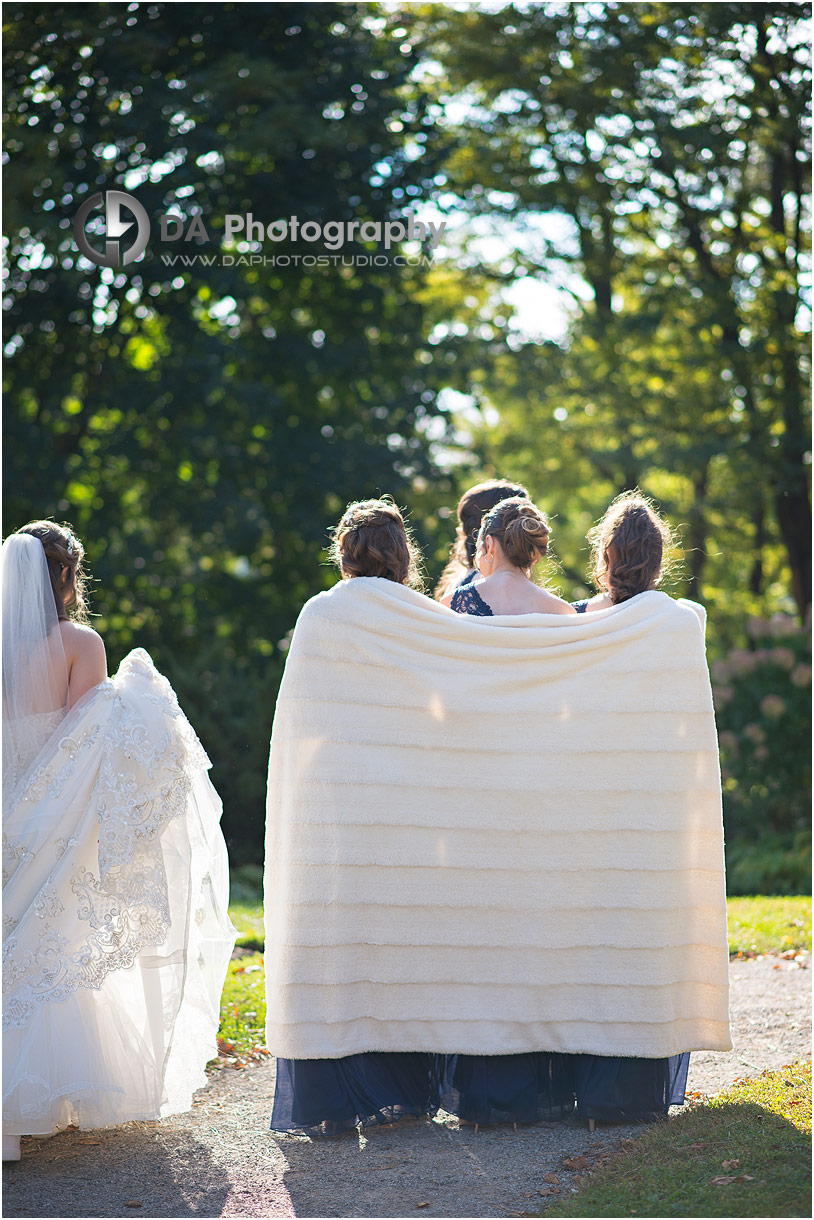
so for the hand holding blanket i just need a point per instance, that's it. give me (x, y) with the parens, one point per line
(494, 836)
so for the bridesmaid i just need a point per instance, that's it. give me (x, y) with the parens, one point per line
(627, 552)
(325, 1096)
(537, 1086)
(513, 538)
(472, 506)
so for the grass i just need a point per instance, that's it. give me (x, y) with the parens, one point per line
(246, 906)
(243, 1009)
(768, 925)
(744, 1153)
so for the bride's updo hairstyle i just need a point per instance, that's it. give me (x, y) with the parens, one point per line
(63, 550)
(628, 547)
(371, 539)
(520, 528)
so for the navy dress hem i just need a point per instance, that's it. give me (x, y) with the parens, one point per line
(328, 1096)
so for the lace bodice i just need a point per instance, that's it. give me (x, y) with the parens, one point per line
(467, 600)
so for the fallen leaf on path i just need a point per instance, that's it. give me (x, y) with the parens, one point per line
(552, 1178)
(90, 1141)
(723, 1181)
(420, 1205)
(575, 1162)
(746, 1177)
(132, 1203)
(734, 1164)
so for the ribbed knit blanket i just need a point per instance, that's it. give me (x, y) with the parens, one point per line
(498, 835)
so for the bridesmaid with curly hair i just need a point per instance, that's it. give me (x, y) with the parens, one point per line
(629, 548)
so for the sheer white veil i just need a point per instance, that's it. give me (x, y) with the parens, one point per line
(35, 674)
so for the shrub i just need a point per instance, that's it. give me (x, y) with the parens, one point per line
(763, 709)
(772, 864)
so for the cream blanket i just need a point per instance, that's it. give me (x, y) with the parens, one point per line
(498, 835)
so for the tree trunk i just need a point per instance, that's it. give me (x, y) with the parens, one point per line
(697, 534)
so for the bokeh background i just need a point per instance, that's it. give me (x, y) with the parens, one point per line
(619, 299)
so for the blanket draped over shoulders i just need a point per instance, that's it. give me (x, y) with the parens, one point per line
(494, 836)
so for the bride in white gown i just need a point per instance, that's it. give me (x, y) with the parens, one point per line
(116, 936)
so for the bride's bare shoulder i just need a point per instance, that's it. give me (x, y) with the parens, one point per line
(80, 640)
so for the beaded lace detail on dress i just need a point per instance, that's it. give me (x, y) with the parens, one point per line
(122, 767)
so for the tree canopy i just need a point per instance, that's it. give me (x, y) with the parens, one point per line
(203, 420)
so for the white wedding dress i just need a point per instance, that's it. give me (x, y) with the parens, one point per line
(116, 936)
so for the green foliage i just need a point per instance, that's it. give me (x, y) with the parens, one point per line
(652, 161)
(203, 426)
(770, 864)
(763, 707)
(246, 906)
(768, 925)
(745, 1153)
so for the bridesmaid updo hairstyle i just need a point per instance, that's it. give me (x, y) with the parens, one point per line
(628, 547)
(63, 550)
(472, 508)
(371, 539)
(520, 528)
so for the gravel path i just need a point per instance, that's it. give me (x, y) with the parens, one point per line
(220, 1159)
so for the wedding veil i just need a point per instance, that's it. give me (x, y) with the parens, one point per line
(35, 674)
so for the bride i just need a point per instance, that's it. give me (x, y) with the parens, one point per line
(116, 937)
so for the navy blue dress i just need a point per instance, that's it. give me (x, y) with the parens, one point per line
(326, 1096)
